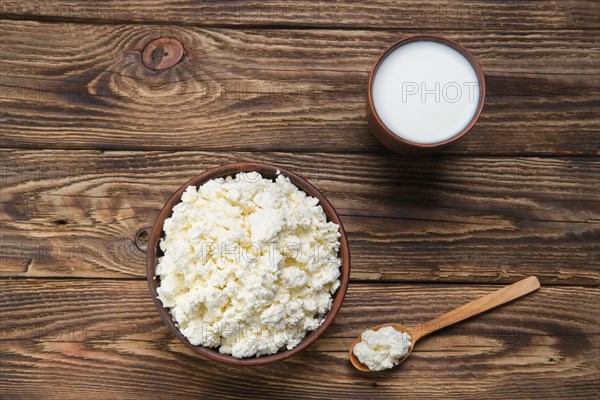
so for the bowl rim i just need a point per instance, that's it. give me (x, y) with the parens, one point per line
(270, 172)
(397, 143)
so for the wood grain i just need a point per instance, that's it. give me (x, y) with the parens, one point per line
(373, 14)
(84, 338)
(293, 90)
(86, 213)
(93, 143)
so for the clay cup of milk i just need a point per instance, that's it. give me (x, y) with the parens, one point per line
(424, 92)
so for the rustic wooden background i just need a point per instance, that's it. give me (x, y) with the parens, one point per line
(93, 143)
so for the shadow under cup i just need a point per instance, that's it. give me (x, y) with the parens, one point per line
(411, 89)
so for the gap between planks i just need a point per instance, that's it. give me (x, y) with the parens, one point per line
(184, 24)
(383, 283)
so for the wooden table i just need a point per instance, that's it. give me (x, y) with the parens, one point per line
(94, 142)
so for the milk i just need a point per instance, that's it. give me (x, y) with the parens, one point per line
(425, 92)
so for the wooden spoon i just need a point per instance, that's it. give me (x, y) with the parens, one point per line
(461, 313)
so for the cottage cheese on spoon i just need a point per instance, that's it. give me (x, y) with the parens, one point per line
(250, 265)
(383, 348)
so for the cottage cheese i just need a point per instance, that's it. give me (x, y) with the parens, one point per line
(250, 265)
(382, 349)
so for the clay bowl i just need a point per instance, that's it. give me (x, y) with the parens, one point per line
(397, 143)
(267, 171)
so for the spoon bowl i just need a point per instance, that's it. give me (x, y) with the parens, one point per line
(362, 367)
(485, 303)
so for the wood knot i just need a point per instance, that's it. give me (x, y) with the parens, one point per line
(162, 53)
(141, 239)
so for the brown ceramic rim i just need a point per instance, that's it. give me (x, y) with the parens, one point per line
(267, 171)
(395, 142)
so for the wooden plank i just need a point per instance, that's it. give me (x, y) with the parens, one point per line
(86, 213)
(100, 336)
(374, 14)
(302, 90)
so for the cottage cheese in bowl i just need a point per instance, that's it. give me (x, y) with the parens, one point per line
(249, 265)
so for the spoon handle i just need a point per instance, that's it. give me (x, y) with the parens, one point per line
(478, 306)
